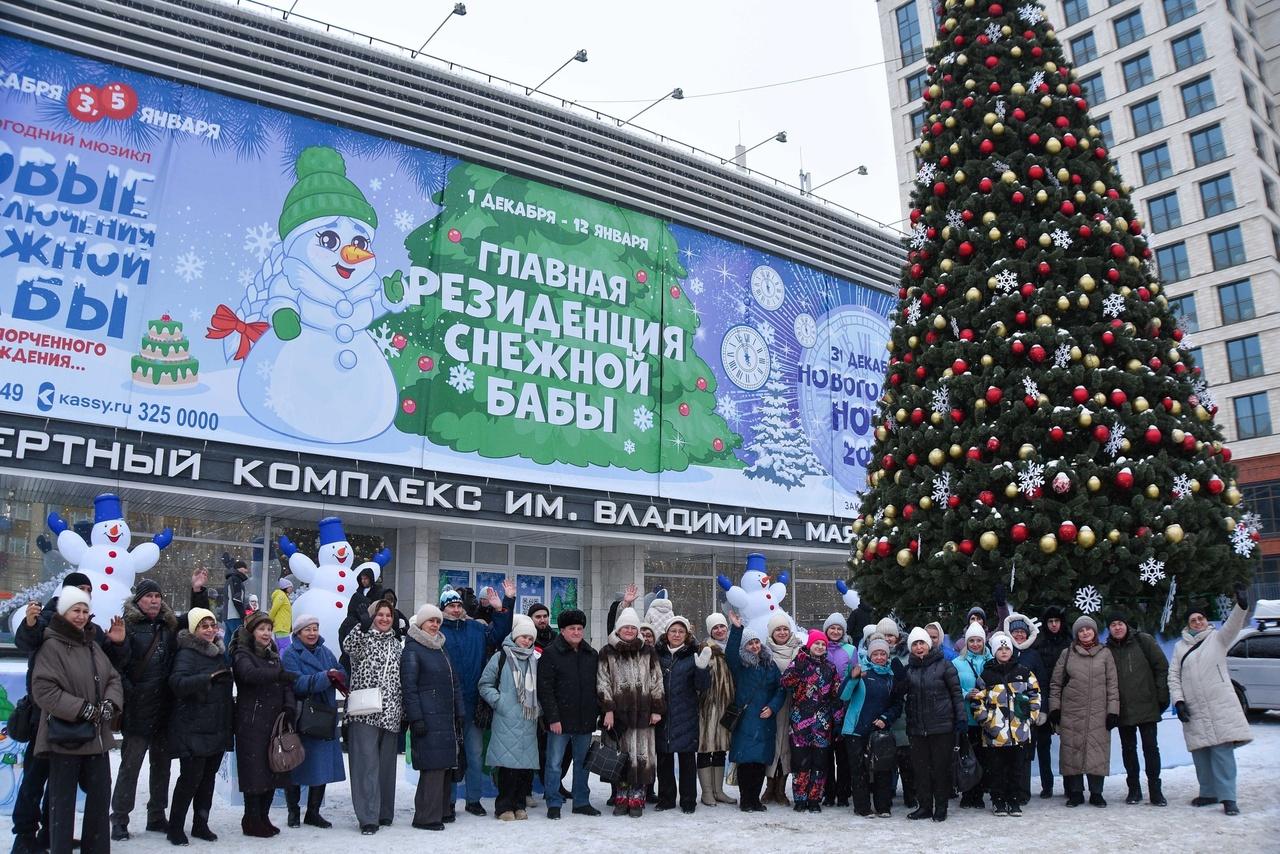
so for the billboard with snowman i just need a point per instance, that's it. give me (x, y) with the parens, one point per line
(177, 261)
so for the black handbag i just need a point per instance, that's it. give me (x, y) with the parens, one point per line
(882, 751)
(968, 773)
(70, 734)
(732, 715)
(606, 761)
(23, 720)
(316, 720)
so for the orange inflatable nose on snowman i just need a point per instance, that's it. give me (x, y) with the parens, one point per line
(354, 254)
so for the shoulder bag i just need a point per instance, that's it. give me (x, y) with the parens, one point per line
(732, 715)
(317, 719)
(368, 701)
(72, 735)
(483, 718)
(285, 751)
(21, 725)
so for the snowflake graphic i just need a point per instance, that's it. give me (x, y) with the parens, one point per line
(189, 267)
(1062, 356)
(1242, 541)
(1106, 213)
(992, 32)
(1252, 521)
(1001, 108)
(725, 274)
(1031, 479)
(767, 332)
(642, 419)
(382, 337)
(695, 286)
(272, 401)
(1029, 387)
(1006, 281)
(1225, 604)
(258, 240)
(1113, 306)
(1151, 571)
(1204, 395)
(1088, 599)
(879, 516)
(913, 312)
(1061, 239)
(404, 220)
(1181, 486)
(942, 487)
(955, 219)
(196, 315)
(1000, 166)
(948, 59)
(375, 184)
(1167, 611)
(245, 277)
(926, 174)
(629, 446)
(1054, 180)
(919, 236)
(1031, 14)
(264, 370)
(941, 401)
(462, 378)
(955, 327)
(1035, 82)
(1116, 441)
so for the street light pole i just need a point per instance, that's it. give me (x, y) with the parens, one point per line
(861, 170)
(459, 9)
(580, 56)
(780, 136)
(676, 94)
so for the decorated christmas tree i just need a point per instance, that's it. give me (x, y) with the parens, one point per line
(779, 449)
(1044, 423)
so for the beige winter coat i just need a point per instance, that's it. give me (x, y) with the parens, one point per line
(1085, 689)
(1198, 676)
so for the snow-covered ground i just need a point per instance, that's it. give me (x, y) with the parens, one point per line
(1045, 825)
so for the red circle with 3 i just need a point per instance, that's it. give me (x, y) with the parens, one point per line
(83, 104)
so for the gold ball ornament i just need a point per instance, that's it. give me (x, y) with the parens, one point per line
(987, 361)
(1011, 490)
(1018, 89)
(1042, 196)
(988, 540)
(955, 451)
(1052, 145)
(1232, 496)
(988, 217)
(1048, 544)
(1173, 533)
(1027, 451)
(926, 503)
(1094, 484)
(1140, 404)
(993, 234)
(935, 418)
(904, 557)
(1086, 537)
(1063, 303)
(890, 511)
(989, 119)
(1083, 302)
(973, 295)
(1152, 491)
(1076, 354)
(1091, 360)
(936, 457)
(1113, 536)
(1085, 418)
(1016, 53)
(939, 322)
(1087, 283)
(945, 265)
(1045, 240)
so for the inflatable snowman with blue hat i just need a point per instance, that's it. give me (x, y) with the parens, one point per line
(311, 368)
(330, 578)
(848, 595)
(106, 558)
(756, 597)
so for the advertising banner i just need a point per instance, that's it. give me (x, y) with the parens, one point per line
(180, 262)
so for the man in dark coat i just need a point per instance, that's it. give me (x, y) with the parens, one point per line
(235, 598)
(541, 616)
(570, 710)
(1142, 672)
(151, 631)
(1053, 641)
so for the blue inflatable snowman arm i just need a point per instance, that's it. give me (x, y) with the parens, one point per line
(382, 558)
(287, 546)
(56, 523)
(163, 538)
(782, 578)
(724, 581)
(842, 588)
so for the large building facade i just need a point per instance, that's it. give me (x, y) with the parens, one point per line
(1185, 94)
(655, 364)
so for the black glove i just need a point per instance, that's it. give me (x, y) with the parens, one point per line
(419, 729)
(1184, 714)
(1242, 596)
(227, 561)
(1055, 717)
(1113, 721)
(220, 676)
(90, 713)
(1001, 594)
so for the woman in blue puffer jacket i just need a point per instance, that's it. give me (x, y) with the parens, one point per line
(872, 706)
(758, 692)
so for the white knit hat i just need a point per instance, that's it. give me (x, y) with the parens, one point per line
(777, 620)
(878, 643)
(628, 617)
(999, 640)
(975, 630)
(714, 620)
(523, 626)
(836, 619)
(888, 626)
(71, 596)
(918, 634)
(427, 612)
(684, 621)
(301, 621)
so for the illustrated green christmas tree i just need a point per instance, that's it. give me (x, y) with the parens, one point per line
(1043, 418)
(669, 425)
(779, 449)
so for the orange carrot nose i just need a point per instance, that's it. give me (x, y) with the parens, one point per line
(354, 254)
(115, 530)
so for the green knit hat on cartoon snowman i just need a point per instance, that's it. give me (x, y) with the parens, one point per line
(323, 189)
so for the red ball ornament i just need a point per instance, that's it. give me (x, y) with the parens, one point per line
(912, 460)
(987, 497)
(1020, 244)
(995, 10)
(1080, 394)
(1034, 139)
(684, 409)
(966, 334)
(1067, 532)
(1019, 532)
(965, 249)
(409, 406)
(967, 102)
(1108, 338)
(1061, 121)
(1117, 251)
(717, 445)
(1037, 353)
(917, 271)
(994, 395)
(1036, 172)
(1022, 318)
(1067, 208)
(966, 547)
(1017, 348)
(1226, 454)
(1017, 198)
(1027, 289)
(957, 415)
(642, 276)
(1124, 479)
(454, 235)
(1069, 140)
(940, 189)
(986, 146)
(953, 501)
(1118, 397)
(1085, 232)
(882, 548)
(426, 363)
(675, 292)
(920, 372)
(993, 445)
(1020, 114)
(973, 454)
(966, 215)
(1188, 443)
(1101, 433)
(985, 185)
(917, 416)
(916, 213)
(1113, 275)
(1057, 434)
(1044, 268)
(399, 341)
(1215, 485)
(994, 88)
(991, 61)
(959, 366)
(908, 512)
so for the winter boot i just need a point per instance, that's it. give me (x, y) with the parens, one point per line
(200, 827)
(707, 786)
(26, 843)
(920, 812)
(717, 784)
(998, 808)
(620, 805)
(119, 832)
(315, 797)
(635, 807)
(1096, 799)
(292, 795)
(1230, 808)
(1135, 793)
(940, 812)
(780, 791)
(1156, 795)
(1202, 801)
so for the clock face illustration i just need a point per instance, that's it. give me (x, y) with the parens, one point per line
(806, 329)
(745, 357)
(767, 287)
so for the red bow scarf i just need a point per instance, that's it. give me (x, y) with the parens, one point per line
(225, 322)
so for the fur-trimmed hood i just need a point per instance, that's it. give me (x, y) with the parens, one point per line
(63, 630)
(1033, 629)
(186, 640)
(133, 614)
(418, 635)
(243, 639)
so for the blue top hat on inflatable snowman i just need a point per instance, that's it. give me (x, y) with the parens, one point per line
(331, 531)
(106, 508)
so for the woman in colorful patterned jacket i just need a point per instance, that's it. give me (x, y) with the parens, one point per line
(813, 685)
(1006, 705)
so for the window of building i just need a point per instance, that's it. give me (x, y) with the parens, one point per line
(1207, 145)
(1236, 301)
(1264, 499)
(1137, 72)
(1155, 164)
(1188, 50)
(1227, 247)
(1165, 212)
(1178, 10)
(1184, 310)
(1258, 142)
(1129, 28)
(1194, 359)
(1275, 242)
(1250, 93)
(1084, 49)
(1253, 416)
(916, 84)
(909, 46)
(1074, 11)
(1146, 116)
(1093, 89)
(1238, 41)
(1172, 262)
(915, 121)
(1198, 97)
(1244, 358)
(1103, 124)
(1217, 195)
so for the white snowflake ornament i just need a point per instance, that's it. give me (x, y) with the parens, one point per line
(942, 487)
(1061, 238)
(1036, 79)
(462, 378)
(1151, 571)
(992, 32)
(1030, 14)
(1181, 486)
(926, 174)
(955, 219)
(1116, 441)
(1242, 541)
(913, 312)
(1113, 306)
(1031, 479)
(1167, 611)
(941, 400)
(1062, 356)
(1088, 599)
(919, 236)
(1006, 281)
(1029, 387)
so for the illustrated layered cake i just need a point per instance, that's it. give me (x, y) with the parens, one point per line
(165, 358)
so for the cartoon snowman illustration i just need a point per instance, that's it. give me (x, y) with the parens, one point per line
(756, 597)
(106, 558)
(310, 368)
(331, 577)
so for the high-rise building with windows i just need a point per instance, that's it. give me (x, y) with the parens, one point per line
(1185, 94)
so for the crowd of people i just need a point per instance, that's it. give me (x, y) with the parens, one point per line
(803, 720)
